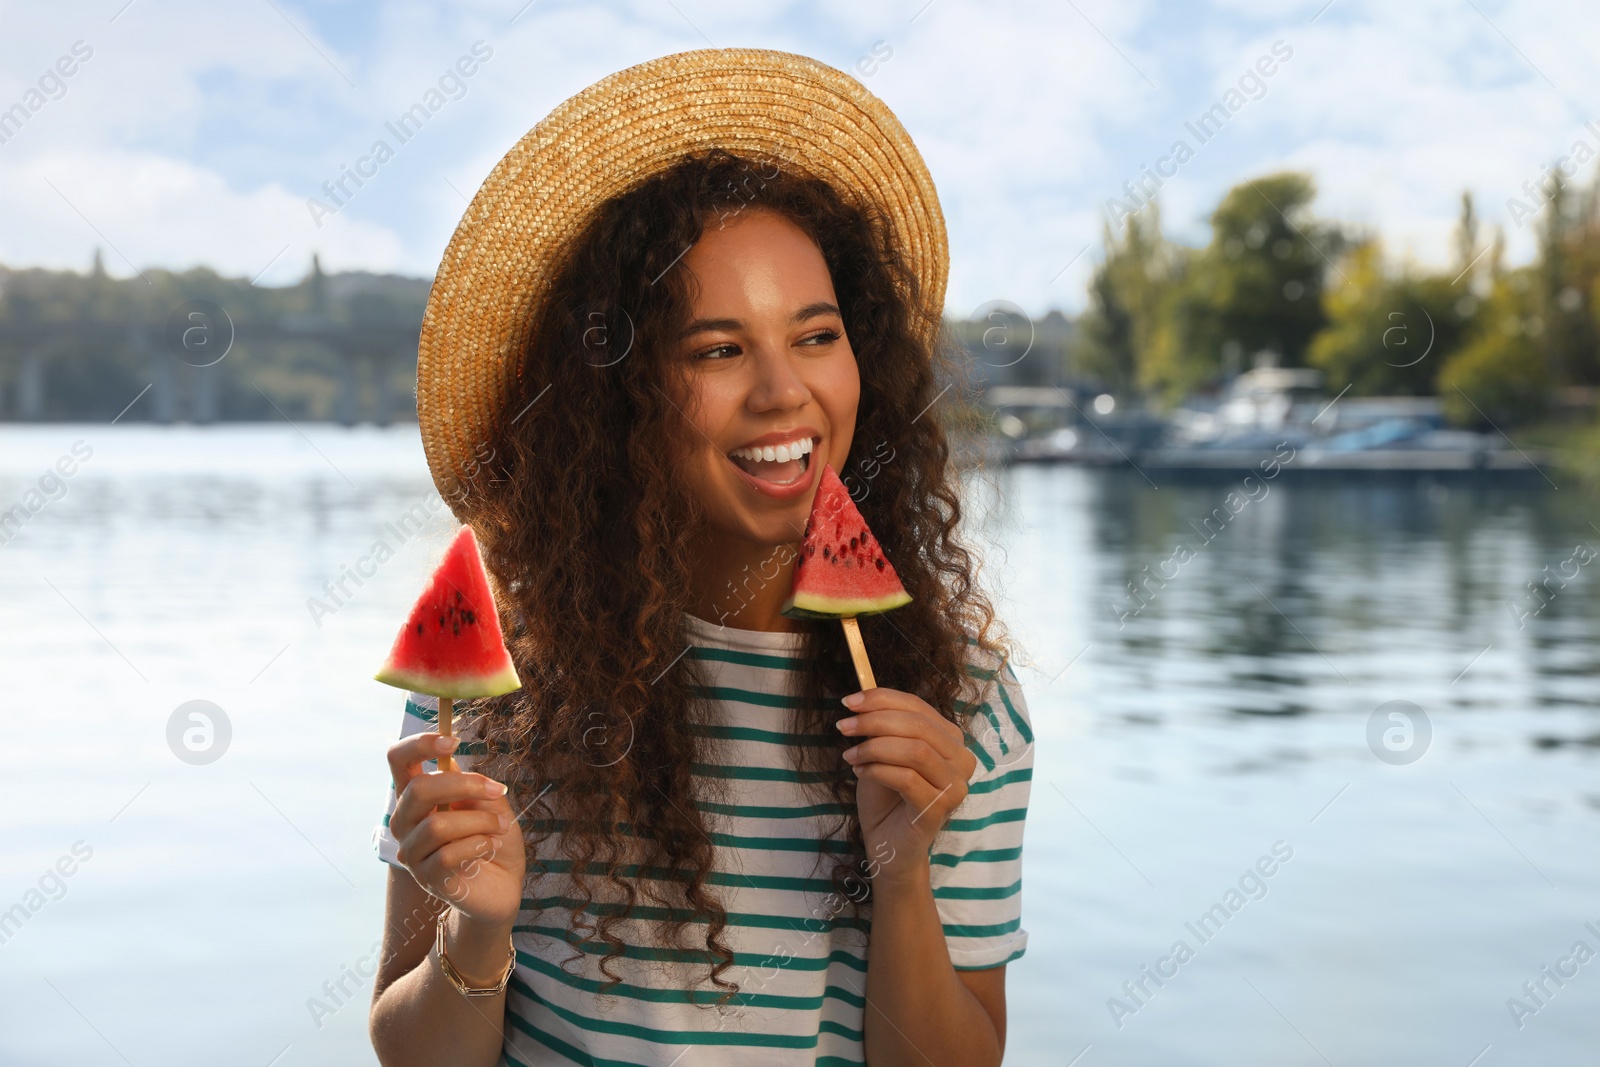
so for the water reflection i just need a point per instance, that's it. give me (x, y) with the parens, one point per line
(1310, 593)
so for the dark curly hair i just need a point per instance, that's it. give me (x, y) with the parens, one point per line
(591, 539)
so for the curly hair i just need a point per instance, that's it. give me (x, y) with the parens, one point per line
(592, 539)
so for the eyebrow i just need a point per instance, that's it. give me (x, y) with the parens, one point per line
(810, 311)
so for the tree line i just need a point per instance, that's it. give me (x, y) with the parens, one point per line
(1164, 321)
(1495, 343)
(197, 346)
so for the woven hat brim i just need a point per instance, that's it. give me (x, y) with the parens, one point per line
(778, 106)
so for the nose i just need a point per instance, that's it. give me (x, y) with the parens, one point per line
(778, 385)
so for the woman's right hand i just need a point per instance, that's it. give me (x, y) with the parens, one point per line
(470, 855)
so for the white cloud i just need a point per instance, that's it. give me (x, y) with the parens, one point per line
(197, 131)
(150, 210)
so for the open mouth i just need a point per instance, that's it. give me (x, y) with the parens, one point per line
(782, 464)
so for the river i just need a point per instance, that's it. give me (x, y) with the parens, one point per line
(1333, 746)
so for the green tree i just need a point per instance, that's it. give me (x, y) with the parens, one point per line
(1500, 377)
(1126, 294)
(1388, 335)
(1256, 287)
(1565, 273)
(1539, 329)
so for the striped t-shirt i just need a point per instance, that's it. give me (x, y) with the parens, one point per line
(800, 953)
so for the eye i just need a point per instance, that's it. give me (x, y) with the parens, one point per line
(717, 352)
(823, 338)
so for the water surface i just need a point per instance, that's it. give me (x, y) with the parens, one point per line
(1182, 736)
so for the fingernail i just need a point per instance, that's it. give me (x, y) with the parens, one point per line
(505, 824)
(847, 725)
(854, 699)
(850, 753)
(494, 788)
(446, 744)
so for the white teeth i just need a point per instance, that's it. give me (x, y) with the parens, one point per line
(783, 453)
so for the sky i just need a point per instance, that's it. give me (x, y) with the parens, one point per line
(195, 133)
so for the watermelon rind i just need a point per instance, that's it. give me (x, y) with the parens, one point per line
(491, 685)
(812, 606)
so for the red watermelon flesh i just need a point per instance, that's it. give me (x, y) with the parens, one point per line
(842, 570)
(451, 645)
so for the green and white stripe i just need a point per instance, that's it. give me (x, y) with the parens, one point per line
(800, 957)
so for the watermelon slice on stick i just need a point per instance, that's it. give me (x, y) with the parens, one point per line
(451, 646)
(842, 572)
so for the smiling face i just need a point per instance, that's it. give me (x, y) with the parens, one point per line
(769, 381)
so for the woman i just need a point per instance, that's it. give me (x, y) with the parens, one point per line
(672, 845)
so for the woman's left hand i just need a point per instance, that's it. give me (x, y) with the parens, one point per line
(912, 766)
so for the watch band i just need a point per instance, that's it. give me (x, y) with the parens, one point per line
(454, 975)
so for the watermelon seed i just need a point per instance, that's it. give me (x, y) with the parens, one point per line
(419, 627)
(879, 562)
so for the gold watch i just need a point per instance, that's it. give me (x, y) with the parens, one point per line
(454, 975)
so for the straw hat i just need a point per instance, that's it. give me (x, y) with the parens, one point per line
(776, 106)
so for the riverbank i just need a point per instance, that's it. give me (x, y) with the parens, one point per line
(1572, 448)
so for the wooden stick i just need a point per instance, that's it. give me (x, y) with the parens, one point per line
(446, 762)
(446, 711)
(858, 653)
